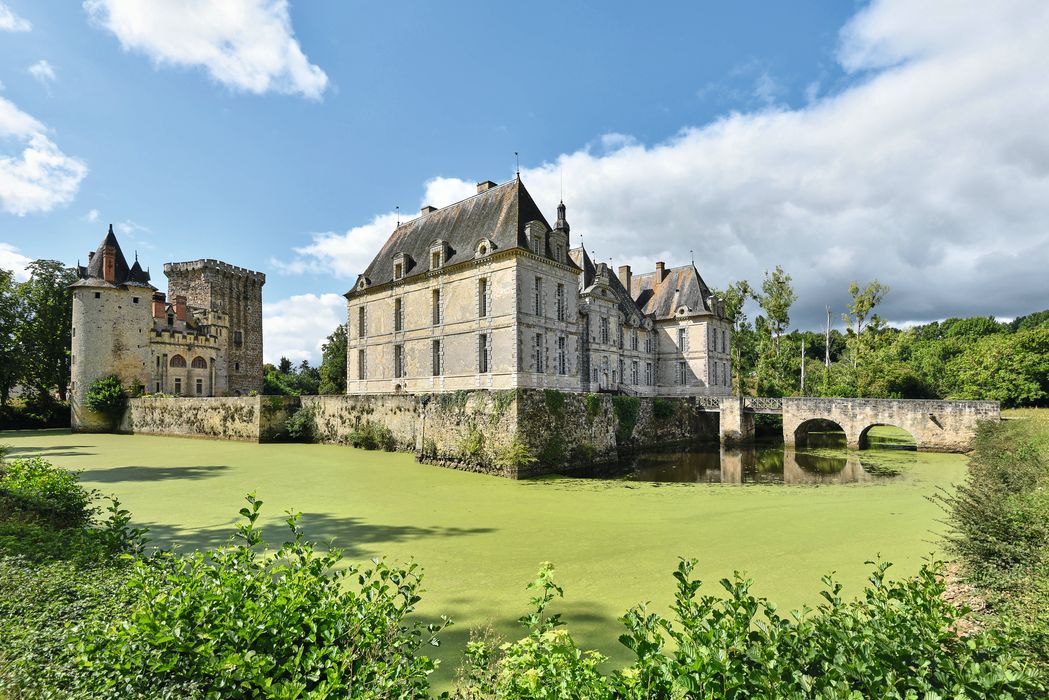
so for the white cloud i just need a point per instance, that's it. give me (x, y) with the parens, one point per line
(296, 327)
(13, 261)
(10, 22)
(39, 178)
(43, 72)
(92, 215)
(247, 45)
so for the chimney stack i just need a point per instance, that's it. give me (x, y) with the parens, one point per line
(661, 272)
(624, 277)
(159, 304)
(180, 307)
(427, 210)
(485, 186)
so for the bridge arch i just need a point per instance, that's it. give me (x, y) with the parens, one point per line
(905, 439)
(808, 428)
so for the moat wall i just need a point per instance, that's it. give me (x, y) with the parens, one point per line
(513, 433)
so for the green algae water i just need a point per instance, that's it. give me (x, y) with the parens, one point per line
(480, 539)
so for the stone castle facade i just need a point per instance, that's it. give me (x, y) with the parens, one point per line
(485, 294)
(202, 338)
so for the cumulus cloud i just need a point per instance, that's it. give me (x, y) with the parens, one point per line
(41, 176)
(14, 262)
(43, 72)
(247, 45)
(10, 22)
(296, 327)
(92, 215)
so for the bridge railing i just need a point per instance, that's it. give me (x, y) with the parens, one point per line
(710, 402)
(762, 403)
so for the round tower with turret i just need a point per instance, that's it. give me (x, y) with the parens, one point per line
(112, 319)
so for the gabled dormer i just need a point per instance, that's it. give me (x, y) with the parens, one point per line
(536, 234)
(483, 247)
(402, 265)
(439, 253)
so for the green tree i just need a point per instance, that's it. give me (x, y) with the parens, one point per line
(284, 366)
(10, 319)
(45, 334)
(776, 297)
(333, 363)
(1011, 368)
(744, 339)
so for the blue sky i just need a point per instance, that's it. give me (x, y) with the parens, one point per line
(843, 141)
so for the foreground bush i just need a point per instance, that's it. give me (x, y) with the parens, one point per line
(33, 490)
(897, 641)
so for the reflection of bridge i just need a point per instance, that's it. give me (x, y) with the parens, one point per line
(937, 426)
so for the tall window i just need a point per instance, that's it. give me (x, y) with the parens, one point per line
(200, 387)
(560, 302)
(620, 340)
(398, 361)
(436, 307)
(362, 364)
(648, 342)
(362, 322)
(633, 340)
(482, 297)
(178, 386)
(622, 370)
(482, 353)
(435, 259)
(595, 375)
(178, 361)
(398, 314)
(538, 310)
(540, 365)
(604, 329)
(682, 339)
(398, 270)
(648, 373)
(562, 354)
(682, 376)
(436, 353)
(199, 363)
(633, 372)
(724, 344)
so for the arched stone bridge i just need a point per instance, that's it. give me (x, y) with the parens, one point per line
(937, 426)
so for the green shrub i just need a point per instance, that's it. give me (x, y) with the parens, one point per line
(371, 435)
(34, 490)
(555, 402)
(244, 622)
(626, 408)
(514, 455)
(593, 405)
(108, 397)
(663, 408)
(471, 446)
(301, 426)
(583, 453)
(34, 415)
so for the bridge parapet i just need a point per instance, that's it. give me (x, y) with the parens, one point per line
(763, 404)
(938, 426)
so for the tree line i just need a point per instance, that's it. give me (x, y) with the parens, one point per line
(957, 358)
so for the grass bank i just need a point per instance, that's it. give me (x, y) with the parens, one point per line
(479, 538)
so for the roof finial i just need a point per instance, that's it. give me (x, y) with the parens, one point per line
(111, 228)
(517, 160)
(693, 256)
(398, 208)
(136, 256)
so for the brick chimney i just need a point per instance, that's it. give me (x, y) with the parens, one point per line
(427, 209)
(109, 264)
(180, 307)
(661, 272)
(159, 304)
(485, 186)
(624, 277)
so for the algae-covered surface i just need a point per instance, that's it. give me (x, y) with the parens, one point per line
(480, 539)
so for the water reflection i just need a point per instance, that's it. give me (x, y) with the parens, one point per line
(753, 465)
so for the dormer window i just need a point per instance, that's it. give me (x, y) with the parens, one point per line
(483, 248)
(398, 270)
(435, 259)
(438, 254)
(535, 232)
(362, 283)
(401, 264)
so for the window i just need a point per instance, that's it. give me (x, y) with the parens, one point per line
(398, 314)
(362, 364)
(682, 339)
(436, 307)
(178, 361)
(714, 378)
(560, 302)
(562, 355)
(72, 359)
(620, 336)
(482, 297)
(538, 310)
(595, 375)
(98, 295)
(648, 343)
(398, 270)
(200, 387)
(539, 351)
(435, 259)
(633, 340)
(199, 363)
(171, 319)
(483, 350)
(604, 329)
(236, 366)
(682, 377)
(559, 253)
(536, 245)
(648, 373)
(238, 338)
(622, 371)
(634, 372)
(436, 353)
(724, 344)
(134, 300)
(398, 361)
(712, 339)
(362, 322)
(178, 385)
(157, 390)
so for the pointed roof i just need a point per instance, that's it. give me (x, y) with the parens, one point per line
(93, 275)
(583, 261)
(498, 214)
(680, 287)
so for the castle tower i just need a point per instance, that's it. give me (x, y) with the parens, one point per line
(236, 292)
(112, 319)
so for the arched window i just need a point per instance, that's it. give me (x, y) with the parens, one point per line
(178, 361)
(199, 363)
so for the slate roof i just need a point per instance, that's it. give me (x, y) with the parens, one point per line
(498, 214)
(92, 275)
(681, 286)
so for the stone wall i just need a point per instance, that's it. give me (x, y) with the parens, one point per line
(247, 418)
